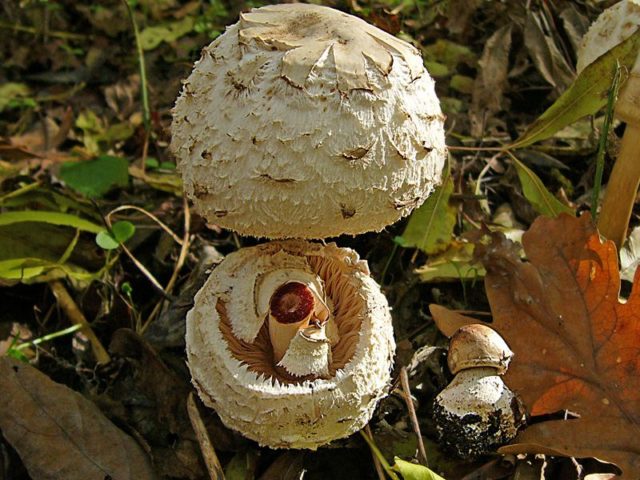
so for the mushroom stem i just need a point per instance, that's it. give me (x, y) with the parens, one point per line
(622, 187)
(293, 307)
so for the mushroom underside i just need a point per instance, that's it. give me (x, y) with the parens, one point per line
(348, 307)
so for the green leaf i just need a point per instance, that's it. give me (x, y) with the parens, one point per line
(55, 218)
(120, 233)
(10, 92)
(167, 166)
(151, 162)
(430, 227)
(585, 96)
(123, 231)
(151, 37)
(411, 471)
(105, 240)
(32, 270)
(94, 178)
(535, 191)
(456, 263)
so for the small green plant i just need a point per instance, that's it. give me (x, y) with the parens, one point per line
(120, 232)
(15, 350)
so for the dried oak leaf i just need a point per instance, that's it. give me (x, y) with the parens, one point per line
(577, 346)
(61, 435)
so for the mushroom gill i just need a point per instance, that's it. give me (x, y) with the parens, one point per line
(347, 309)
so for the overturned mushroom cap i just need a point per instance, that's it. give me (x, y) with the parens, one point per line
(475, 346)
(315, 304)
(301, 121)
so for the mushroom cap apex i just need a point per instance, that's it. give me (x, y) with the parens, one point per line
(478, 345)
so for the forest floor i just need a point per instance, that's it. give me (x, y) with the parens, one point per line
(94, 226)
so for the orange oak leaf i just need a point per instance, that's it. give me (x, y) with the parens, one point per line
(577, 346)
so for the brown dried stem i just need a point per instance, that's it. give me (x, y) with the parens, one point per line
(70, 308)
(404, 380)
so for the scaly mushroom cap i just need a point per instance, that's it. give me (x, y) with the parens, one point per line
(301, 121)
(328, 319)
(477, 345)
(613, 26)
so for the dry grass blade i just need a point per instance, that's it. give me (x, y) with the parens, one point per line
(404, 380)
(206, 447)
(69, 306)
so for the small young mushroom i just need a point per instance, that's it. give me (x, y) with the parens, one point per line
(291, 343)
(301, 121)
(612, 27)
(476, 412)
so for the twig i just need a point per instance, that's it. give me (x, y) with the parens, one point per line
(69, 306)
(206, 447)
(404, 380)
(141, 267)
(377, 454)
(148, 214)
(182, 256)
(476, 149)
(376, 462)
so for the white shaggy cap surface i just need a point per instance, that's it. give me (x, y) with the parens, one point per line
(613, 26)
(231, 362)
(301, 121)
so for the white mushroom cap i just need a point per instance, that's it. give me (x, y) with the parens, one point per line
(613, 26)
(477, 413)
(231, 360)
(301, 121)
(477, 345)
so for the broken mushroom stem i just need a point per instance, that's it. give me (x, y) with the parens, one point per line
(294, 307)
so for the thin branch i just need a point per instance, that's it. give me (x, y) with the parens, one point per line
(404, 380)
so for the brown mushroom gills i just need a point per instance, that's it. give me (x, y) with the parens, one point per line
(348, 310)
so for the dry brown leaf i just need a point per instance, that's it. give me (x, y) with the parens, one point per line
(577, 347)
(60, 434)
(488, 88)
(544, 52)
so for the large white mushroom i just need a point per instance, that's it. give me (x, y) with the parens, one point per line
(291, 343)
(301, 121)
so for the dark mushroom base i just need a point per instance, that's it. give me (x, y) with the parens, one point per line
(472, 436)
